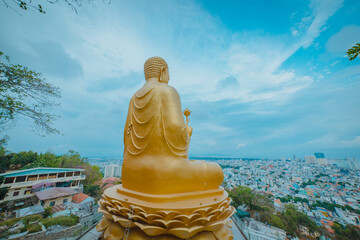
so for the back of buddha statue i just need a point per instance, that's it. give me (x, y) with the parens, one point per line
(156, 141)
(155, 125)
(163, 194)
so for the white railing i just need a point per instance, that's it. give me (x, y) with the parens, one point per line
(33, 182)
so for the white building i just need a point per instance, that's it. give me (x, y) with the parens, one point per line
(24, 183)
(353, 163)
(322, 161)
(310, 159)
(112, 171)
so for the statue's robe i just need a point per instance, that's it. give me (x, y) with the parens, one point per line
(155, 125)
(156, 146)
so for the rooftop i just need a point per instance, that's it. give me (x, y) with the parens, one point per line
(40, 170)
(31, 210)
(55, 192)
(80, 197)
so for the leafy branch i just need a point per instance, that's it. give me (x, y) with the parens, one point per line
(26, 93)
(28, 4)
(353, 52)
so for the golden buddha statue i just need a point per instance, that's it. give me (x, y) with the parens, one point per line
(163, 195)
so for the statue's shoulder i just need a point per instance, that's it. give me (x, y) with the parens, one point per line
(167, 90)
(145, 90)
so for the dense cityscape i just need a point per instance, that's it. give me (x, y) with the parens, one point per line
(319, 190)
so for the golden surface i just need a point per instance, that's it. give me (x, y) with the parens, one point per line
(163, 195)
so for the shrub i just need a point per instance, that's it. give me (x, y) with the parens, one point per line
(48, 212)
(32, 228)
(33, 218)
(10, 222)
(61, 220)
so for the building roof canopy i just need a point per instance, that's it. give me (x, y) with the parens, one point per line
(55, 192)
(40, 170)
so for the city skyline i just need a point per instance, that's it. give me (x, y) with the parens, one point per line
(261, 79)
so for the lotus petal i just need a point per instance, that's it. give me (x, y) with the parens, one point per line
(175, 224)
(123, 221)
(103, 224)
(138, 218)
(203, 236)
(151, 230)
(223, 233)
(114, 232)
(185, 233)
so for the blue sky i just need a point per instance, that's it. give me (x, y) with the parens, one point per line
(262, 78)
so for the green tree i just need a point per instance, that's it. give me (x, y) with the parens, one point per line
(3, 190)
(353, 52)
(48, 212)
(25, 92)
(92, 190)
(245, 196)
(21, 159)
(5, 156)
(272, 219)
(71, 159)
(290, 219)
(349, 232)
(44, 160)
(293, 219)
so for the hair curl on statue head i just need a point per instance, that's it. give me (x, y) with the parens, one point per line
(152, 67)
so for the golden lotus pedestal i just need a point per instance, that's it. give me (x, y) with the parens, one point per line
(194, 216)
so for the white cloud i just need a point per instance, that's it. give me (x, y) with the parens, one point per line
(255, 59)
(347, 37)
(241, 145)
(333, 141)
(113, 40)
(210, 127)
(322, 10)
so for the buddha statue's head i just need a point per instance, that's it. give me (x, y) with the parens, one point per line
(156, 68)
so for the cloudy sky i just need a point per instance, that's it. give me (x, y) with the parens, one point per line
(262, 78)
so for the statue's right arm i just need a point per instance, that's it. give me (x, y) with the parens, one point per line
(172, 112)
(189, 130)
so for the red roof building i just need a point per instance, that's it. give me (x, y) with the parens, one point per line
(80, 197)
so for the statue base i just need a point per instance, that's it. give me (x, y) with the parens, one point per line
(195, 216)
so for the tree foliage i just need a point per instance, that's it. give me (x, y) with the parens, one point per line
(353, 52)
(25, 92)
(4, 190)
(47, 212)
(348, 232)
(289, 220)
(93, 190)
(30, 5)
(245, 196)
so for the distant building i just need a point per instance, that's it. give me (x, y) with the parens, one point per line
(319, 155)
(55, 196)
(84, 201)
(112, 171)
(310, 159)
(353, 164)
(322, 161)
(24, 184)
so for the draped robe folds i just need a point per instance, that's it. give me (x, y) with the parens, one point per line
(156, 143)
(155, 125)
